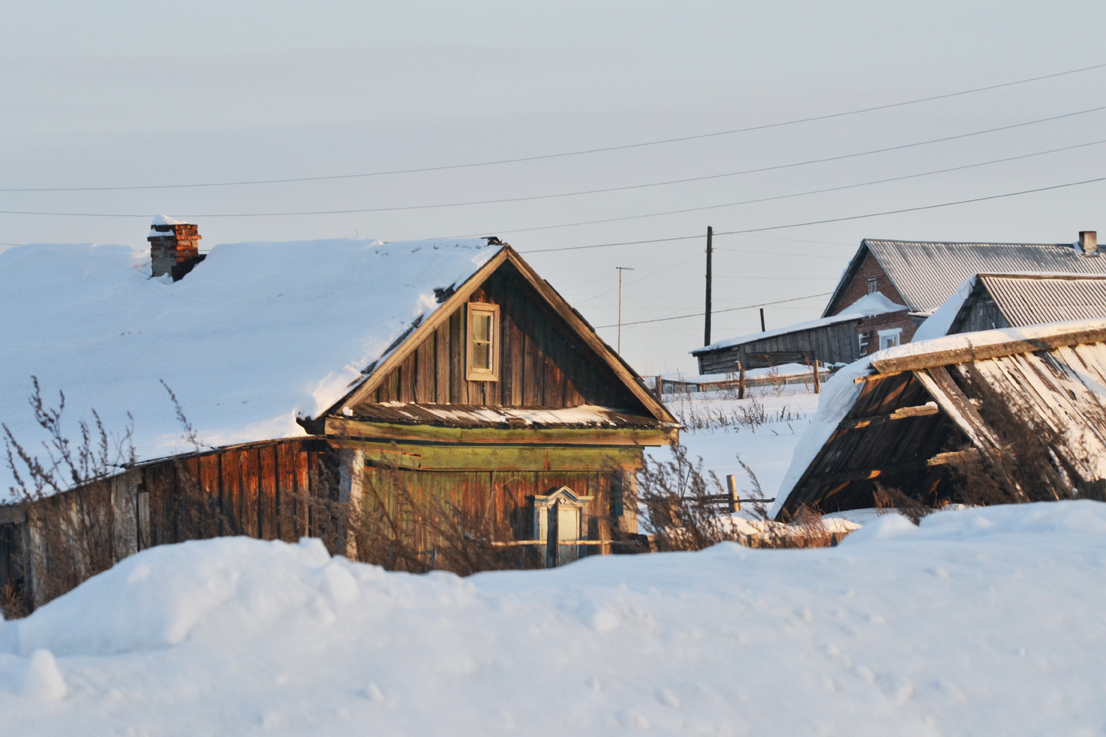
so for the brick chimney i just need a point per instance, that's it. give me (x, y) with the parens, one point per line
(1088, 242)
(173, 247)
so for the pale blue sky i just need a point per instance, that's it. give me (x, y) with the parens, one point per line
(135, 93)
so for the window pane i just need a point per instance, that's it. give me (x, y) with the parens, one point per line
(482, 356)
(482, 327)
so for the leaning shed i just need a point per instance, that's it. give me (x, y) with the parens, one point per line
(1017, 300)
(902, 417)
(435, 393)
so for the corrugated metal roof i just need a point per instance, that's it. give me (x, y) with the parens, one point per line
(926, 274)
(1026, 299)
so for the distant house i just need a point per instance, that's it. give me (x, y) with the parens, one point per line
(1016, 300)
(902, 419)
(837, 339)
(895, 286)
(318, 377)
(922, 275)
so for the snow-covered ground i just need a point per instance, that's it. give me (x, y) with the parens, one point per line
(980, 622)
(718, 430)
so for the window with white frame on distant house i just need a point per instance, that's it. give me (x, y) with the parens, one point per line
(889, 338)
(482, 343)
(873, 285)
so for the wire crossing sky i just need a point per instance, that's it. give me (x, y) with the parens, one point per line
(794, 129)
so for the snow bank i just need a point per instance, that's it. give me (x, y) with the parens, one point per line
(254, 336)
(984, 621)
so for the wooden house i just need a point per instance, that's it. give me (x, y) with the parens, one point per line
(836, 339)
(887, 291)
(902, 419)
(922, 275)
(1017, 300)
(488, 395)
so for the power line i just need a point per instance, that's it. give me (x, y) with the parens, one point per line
(582, 152)
(795, 194)
(827, 220)
(578, 193)
(729, 309)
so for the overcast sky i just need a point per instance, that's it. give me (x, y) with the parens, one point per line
(115, 94)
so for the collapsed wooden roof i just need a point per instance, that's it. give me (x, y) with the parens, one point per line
(903, 416)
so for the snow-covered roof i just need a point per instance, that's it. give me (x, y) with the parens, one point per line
(867, 306)
(257, 335)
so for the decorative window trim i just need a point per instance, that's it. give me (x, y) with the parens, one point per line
(472, 371)
(549, 503)
(895, 333)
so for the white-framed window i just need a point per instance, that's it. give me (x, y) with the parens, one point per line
(873, 285)
(889, 338)
(482, 342)
(559, 524)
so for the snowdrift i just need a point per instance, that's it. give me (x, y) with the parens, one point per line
(983, 621)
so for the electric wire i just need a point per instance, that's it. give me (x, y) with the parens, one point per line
(824, 221)
(716, 312)
(580, 193)
(582, 152)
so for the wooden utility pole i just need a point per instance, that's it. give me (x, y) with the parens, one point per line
(710, 250)
(762, 319)
(620, 270)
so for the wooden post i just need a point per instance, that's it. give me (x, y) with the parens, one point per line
(740, 380)
(658, 389)
(817, 384)
(124, 515)
(34, 559)
(710, 250)
(731, 489)
(350, 482)
(762, 328)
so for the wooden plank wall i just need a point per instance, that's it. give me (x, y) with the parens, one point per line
(836, 343)
(283, 490)
(502, 498)
(541, 365)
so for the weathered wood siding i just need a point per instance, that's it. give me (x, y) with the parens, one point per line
(541, 364)
(836, 343)
(980, 313)
(502, 500)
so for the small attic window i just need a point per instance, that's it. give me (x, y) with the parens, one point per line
(482, 344)
(873, 285)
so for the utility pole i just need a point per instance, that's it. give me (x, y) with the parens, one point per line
(710, 250)
(620, 270)
(762, 319)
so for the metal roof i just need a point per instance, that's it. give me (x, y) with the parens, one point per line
(1029, 299)
(926, 274)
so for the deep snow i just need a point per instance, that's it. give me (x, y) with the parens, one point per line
(256, 334)
(984, 621)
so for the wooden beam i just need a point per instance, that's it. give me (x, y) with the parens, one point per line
(941, 459)
(902, 413)
(983, 352)
(431, 457)
(346, 428)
